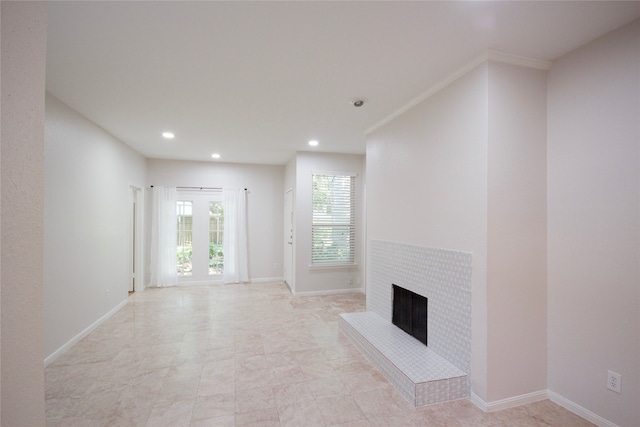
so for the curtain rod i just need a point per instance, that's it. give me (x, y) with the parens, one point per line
(200, 188)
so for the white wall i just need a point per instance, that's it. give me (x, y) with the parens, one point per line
(465, 170)
(88, 174)
(593, 224)
(516, 232)
(265, 203)
(24, 34)
(319, 280)
(427, 186)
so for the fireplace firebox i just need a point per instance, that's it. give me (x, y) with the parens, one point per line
(410, 313)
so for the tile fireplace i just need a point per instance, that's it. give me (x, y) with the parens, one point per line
(441, 279)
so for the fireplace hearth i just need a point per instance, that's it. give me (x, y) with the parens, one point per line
(410, 313)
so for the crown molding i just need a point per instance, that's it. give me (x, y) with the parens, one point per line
(488, 55)
(522, 61)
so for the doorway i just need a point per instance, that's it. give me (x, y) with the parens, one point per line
(135, 241)
(288, 240)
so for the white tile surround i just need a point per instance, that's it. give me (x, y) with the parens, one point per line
(423, 375)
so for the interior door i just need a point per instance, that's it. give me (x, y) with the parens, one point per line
(288, 239)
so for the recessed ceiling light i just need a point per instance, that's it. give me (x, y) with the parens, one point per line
(313, 143)
(358, 102)
(215, 155)
(168, 135)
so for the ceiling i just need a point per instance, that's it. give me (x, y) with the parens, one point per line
(255, 81)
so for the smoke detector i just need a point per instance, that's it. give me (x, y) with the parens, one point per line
(358, 102)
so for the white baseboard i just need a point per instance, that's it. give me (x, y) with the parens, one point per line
(267, 279)
(221, 282)
(331, 292)
(510, 402)
(199, 283)
(579, 410)
(53, 356)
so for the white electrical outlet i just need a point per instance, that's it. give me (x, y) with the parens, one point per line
(613, 381)
(106, 295)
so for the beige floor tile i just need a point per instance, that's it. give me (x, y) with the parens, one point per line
(386, 420)
(358, 423)
(224, 421)
(264, 418)
(339, 410)
(318, 369)
(364, 381)
(301, 414)
(179, 390)
(377, 402)
(288, 374)
(254, 400)
(77, 422)
(213, 406)
(253, 379)
(328, 387)
(215, 382)
(227, 355)
(175, 414)
(252, 362)
(288, 394)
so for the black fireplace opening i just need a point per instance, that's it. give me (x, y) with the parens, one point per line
(410, 313)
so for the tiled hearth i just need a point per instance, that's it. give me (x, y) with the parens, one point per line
(423, 375)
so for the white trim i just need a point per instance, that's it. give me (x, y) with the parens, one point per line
(339, 173)
(330, 292)
(431, 91)
(489, 54)
(537, 396)
(522, 61)
(579, 410)
(183, 283)
(352, 266)
(267, 279)
(509, 402)
(476, 400)
(138, 197)
(53, 356)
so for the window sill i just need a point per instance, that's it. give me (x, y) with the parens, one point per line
(333, 266)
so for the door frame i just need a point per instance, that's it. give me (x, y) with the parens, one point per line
(135, 276)
(289, 240)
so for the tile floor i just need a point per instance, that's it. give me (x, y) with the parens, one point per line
(240, 355)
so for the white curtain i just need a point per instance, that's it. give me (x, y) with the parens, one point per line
(163, 237)
(236, 262)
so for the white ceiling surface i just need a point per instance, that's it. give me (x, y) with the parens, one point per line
(254, 81)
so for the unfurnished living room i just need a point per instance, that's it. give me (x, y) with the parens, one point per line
(320, 213)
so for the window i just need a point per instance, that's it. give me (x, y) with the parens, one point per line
(333, 220)
(216, 223)
(185, 237)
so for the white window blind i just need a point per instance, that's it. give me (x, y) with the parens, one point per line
(333, 222)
